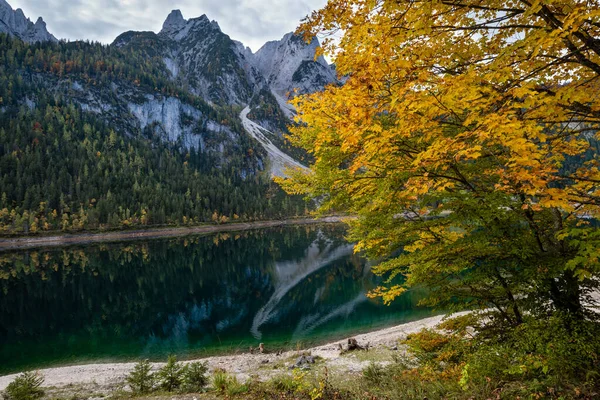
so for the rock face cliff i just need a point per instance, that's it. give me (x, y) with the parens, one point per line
(289, 64)
(14, 23)
(200, 56)
(132, 110)
(203, 59)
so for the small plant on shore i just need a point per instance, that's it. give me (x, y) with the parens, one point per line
(294, 383)
(220, 379)
(373, 373)
(171, 375)
(194, 377)
(26, 386)
(235, 387)
(225, 383)
(141, 379)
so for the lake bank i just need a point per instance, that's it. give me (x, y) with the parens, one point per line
(27, 242)
(110, 376)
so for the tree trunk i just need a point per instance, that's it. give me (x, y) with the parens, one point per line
(565, 294)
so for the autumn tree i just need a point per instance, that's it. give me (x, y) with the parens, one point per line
(463, 140)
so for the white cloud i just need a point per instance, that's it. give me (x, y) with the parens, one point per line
(252, 22)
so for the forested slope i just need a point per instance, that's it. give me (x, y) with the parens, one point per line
(74, 155)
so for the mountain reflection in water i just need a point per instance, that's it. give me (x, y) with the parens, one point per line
(188, 296)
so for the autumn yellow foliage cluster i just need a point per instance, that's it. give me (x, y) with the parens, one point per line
(466, 137)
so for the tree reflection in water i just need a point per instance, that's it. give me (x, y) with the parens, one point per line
(188, 296)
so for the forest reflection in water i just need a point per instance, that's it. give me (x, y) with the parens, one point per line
(189, 296)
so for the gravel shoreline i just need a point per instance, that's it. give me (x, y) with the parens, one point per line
(27, 242)
(242, 365)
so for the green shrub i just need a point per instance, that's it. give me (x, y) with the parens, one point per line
(26, 386)
(170, 376)
(538, 357)
(141, 379)
(373, 373)
(235, 387)
(194, 377)
(284, 383)
(294, 383)
(224, 383)
(220, 380)
(550, 357)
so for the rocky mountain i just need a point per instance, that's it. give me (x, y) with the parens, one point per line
(98, 137)
(206, 70)
(201, 57)
(289, 64)
(14, 23)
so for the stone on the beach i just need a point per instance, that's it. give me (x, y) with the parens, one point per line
(303, 362)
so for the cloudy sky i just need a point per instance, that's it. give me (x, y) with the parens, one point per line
(253, 22)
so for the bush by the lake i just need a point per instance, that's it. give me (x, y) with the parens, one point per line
(194, 377)
(220, 380)
(26, 386)
(190, 378)
(141, 379)
(170, 377)
(224, 383)
(554, 358)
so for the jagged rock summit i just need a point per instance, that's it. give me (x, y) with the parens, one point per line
(15, 23)
(221, 70)
(178, 28)
(289, 64)
(174, 22)
(203, 58)
(200, 57)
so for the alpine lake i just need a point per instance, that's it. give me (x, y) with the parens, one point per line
(192, 296)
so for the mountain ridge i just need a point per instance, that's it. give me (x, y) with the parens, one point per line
(15, 23)
(206, 61)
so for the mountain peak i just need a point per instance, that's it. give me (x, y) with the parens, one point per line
(40, 23)
(290, 63)
(177, 28)
(15, 23)
(174, 21)
(203, 18)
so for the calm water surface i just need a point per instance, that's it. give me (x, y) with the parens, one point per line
(189, 296)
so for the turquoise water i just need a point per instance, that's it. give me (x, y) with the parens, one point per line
(190, 296)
